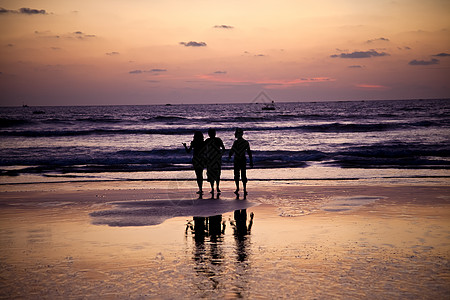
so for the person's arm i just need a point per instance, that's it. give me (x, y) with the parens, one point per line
(188, 150)
(222, 146)
(251, 223)
(250, 156)
(231, 151)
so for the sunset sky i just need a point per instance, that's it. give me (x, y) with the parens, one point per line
(206, 51)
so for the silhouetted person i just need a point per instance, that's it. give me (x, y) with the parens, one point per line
(239, 148)
(241, 231)
(208, 235)
(240, 223)
(216, 226)
(200, 229)
(214, 151)
(198, 157)
(212, 226)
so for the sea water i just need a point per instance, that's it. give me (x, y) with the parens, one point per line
(393, 141)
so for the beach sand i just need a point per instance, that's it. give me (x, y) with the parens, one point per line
(97, 240)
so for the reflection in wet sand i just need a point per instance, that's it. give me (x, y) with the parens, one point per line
(395, 247)
(210, 256)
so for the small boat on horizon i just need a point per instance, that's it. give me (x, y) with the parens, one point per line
(269, 106)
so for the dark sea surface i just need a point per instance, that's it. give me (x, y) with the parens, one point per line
(297, 141)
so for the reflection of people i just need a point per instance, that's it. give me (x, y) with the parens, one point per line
(241, 231)
(240, 222)
(216, 227)
(212, 226)
(201, 228)
(198, 146)
(214, 151)
(239, 148)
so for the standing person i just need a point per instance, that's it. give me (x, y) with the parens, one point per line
(198, 145)
(240, 146)
(214, 152)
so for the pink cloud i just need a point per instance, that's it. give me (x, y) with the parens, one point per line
(371, 86)
(267, 83)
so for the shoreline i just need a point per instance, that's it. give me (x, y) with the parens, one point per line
(132, 184)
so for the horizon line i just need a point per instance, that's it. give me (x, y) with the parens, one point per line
(228, 103)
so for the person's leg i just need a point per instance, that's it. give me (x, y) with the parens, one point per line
(211, 182)
(236, 178)
(219, 171)
(199, 175)
(210, 177)
(244, 178)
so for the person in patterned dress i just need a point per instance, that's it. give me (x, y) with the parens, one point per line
(214, 152)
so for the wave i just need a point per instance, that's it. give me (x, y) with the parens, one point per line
(175, 130)
(396, 155)
(159, 159)
(6, 122)
(85, 160)
(166, 118)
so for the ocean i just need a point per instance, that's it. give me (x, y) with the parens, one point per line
(360, 141)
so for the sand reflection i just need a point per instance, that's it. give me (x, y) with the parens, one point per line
(213, 260)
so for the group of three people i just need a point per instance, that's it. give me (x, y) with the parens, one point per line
(209, 153)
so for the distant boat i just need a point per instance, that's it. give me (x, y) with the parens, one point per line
(269, 106)
(24, 105)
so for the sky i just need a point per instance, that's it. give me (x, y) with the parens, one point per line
(107, 52)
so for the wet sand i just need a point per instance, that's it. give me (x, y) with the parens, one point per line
(311, 242)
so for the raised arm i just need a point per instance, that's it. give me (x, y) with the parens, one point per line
(251, 223)
(188, 150)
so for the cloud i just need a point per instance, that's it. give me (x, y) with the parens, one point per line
(371, 86)
(266, 83)
(24, 11)
(355, 67)
(147, 71)
(442, 55)
(220, 72)
(46, 34)
(112, 53)
(30, 11)
(360, 54)
(81, 35)
(433, 61)
(193, 44)
(255, 54)
(381, 39)
(223, 27)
